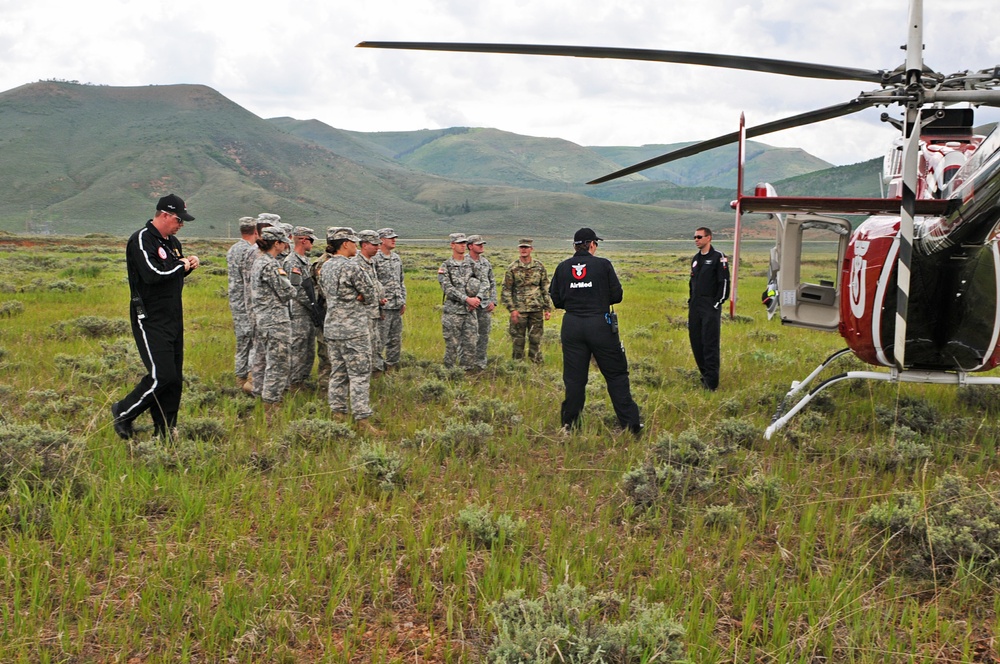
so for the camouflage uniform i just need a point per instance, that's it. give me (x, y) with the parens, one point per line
(238, 305)
(372, 307)
(460, 326)
(390, 273)
(323, 370)
(346, 330)
(270, 292)
(303, 331)
(526, 291)
(487, 294)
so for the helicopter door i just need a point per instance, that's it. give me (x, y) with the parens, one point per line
(810, 251)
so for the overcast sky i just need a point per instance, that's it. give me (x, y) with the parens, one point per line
(298, 59)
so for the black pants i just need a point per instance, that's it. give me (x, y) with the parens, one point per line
(583, 337)
(704, 323)
(161, 348)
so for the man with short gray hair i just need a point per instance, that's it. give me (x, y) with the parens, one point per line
(389, 268)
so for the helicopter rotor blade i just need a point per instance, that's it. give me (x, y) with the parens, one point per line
(818, 115)
(767, 65)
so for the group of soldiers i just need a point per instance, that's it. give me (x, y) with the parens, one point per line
(469, 291)
(346, 306)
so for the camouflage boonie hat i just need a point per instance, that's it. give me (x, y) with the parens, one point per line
(371, 237)
(268, 218)
(475, 239)
(247, 224)
(457, 238)
(304, 231)
(345, 233)
(387, 233)
(275, 233)
(525, 242)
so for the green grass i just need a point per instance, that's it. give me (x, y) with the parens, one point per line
(274, 543)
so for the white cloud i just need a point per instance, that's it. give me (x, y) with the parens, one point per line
(298, 59)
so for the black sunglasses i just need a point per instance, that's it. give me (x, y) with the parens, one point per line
(698, 237)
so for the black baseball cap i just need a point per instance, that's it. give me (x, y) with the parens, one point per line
(585, 235)
(174, 204)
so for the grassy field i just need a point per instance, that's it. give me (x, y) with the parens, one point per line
(868, 531)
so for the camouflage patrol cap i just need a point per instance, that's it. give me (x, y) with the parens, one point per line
(387, 233)
(472, 286)
(457, 238)
(268, 218)
(304, 231)
(476, 239)
(345, 233)
(525, 242)
(371, 237)
(247, 224)
(275, 233)
(331, 231)
(288, 228)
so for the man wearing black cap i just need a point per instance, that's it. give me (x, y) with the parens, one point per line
(708, 290)
(156, 270)
(586, 287)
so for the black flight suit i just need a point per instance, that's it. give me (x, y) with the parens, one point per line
(708, 290)
(156, 278)
(586, 286)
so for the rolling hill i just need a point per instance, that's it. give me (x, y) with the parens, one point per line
(84, 158)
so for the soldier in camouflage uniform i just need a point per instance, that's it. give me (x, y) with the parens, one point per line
(323, 370)
(346, 330)
(365, 259)
(303, 307)
(526, 295)
(487, 296)
(288, 228)
(389, 268)
(270, 293)
(237, 296)
(264, 220)
(458, 315)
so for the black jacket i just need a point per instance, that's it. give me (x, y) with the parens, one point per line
(585, 285)
(156, 275)
(710, 276)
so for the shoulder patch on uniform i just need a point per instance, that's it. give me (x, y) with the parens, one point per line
(296, 270)
(282, 272)
(441, 270)
(724, 259)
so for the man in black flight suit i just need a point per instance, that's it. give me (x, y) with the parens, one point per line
(708, 290)
(586, 286)
(156, 270)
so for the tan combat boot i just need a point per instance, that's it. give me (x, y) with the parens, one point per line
(247, 385)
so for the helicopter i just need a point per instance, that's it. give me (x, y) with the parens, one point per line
(917, 287)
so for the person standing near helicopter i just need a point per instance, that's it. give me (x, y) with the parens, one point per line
(708, 289)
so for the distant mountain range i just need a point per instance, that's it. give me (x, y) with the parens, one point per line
(84, 158)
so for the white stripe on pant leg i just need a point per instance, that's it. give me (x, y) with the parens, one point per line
(152, 371)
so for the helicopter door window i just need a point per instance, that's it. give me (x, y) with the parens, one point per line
(812, 248)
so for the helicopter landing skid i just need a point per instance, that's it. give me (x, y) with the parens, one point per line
(894, 375)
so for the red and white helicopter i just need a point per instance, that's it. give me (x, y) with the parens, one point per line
(918, 287)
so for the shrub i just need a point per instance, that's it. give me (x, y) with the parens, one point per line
(380, 467)
(37, 456)
(902, 448)
(912, 412)
(65, 286)
(938, 530)
(569, 625)
(675, 466)
(723, 516)
(94, 327)
(487, 530)
(736, 432)
(457, 438)
(432, 389)
(203, 428)
(766, 489)
(493, 411)
(314, 433)
(11, 308)
(183, 453)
